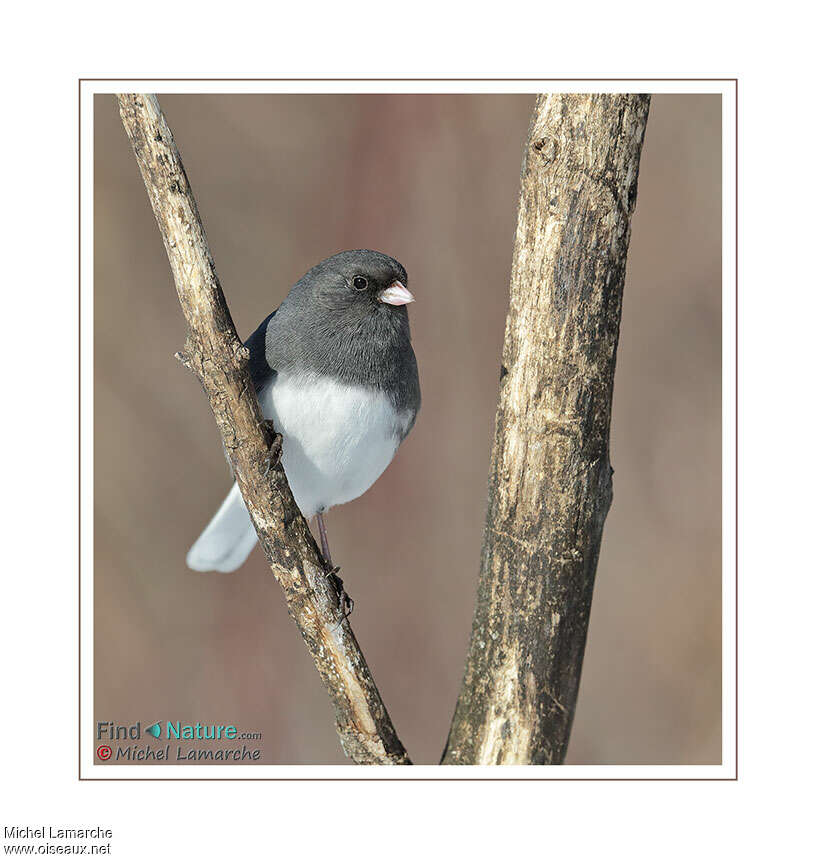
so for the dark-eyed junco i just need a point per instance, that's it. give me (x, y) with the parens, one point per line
(334, 370)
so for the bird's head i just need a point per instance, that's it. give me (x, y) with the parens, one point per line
(362, 282)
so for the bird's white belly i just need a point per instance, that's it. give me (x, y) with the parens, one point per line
(337, 438)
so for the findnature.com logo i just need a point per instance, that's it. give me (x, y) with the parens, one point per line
(123, 735)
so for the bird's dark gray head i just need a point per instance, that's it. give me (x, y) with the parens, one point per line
(361, 282)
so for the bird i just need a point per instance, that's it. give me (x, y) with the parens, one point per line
(335, 372)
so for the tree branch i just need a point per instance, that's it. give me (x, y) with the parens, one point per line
(215, 354)
(551, 481)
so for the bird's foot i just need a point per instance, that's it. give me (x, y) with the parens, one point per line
(345, 603)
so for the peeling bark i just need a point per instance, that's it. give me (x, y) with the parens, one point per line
(215, 354)
(551, 480)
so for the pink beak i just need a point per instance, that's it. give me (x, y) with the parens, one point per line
(395, 294)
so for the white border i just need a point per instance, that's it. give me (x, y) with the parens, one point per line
(88, 768)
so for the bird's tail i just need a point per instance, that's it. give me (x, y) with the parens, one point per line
(228, 539)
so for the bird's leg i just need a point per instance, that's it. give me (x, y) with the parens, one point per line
(345, 602)
(324, 540)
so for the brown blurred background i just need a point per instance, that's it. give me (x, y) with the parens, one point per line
(283, 181)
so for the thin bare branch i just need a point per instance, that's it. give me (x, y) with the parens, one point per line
(215, 354)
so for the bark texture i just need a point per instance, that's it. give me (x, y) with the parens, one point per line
(215, 354)
(551, 480)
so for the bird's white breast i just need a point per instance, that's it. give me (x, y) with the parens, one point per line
(337, 438)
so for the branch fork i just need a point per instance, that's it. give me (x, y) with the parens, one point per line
(551, 479)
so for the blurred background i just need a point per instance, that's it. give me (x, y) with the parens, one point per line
(283, 181)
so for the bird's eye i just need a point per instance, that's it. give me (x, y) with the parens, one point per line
(360, 283)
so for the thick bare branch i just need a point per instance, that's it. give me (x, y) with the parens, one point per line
(551, 481)
(215, 354)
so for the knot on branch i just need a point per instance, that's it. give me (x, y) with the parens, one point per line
(241, 356)
(547, 147)
(190, 356)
